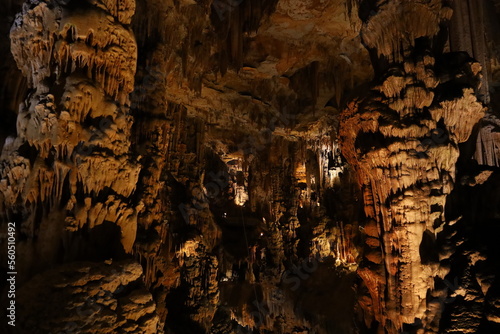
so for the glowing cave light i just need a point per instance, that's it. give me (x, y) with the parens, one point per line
(241, 196)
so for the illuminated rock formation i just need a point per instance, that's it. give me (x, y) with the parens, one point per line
(74, 129)
(69, 174)
(402, 140)
(204, 142)
(86, 297)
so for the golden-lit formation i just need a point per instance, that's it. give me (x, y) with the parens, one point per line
(250, 166)
(402, 140)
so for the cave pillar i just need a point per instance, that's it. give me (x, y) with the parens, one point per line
(69, 173)
(402, 140)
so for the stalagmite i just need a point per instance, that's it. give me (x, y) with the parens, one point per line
(83, 295)
(74, 165)
(402, 139)
(79, 130)
(251, 166)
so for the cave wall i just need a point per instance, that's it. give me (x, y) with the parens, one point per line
(252, 166)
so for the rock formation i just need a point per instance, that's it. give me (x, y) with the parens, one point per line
(237, 166)
(74, 128)
(402, 139)
(68, 176)
(86, 297)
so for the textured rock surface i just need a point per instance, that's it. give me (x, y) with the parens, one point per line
(73, 126)
(403, 141)
(86, 297)
(202, 139)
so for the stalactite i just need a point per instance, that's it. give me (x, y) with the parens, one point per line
(407, 171)
(383, 32)
(230, 188)
(467, 33)
(488, 142)
(93, 58)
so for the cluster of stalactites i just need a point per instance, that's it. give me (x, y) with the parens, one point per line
(48, 39)
(403, 141)
(488, 141)
(392, 31)
(81, 61)
(402, 135)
